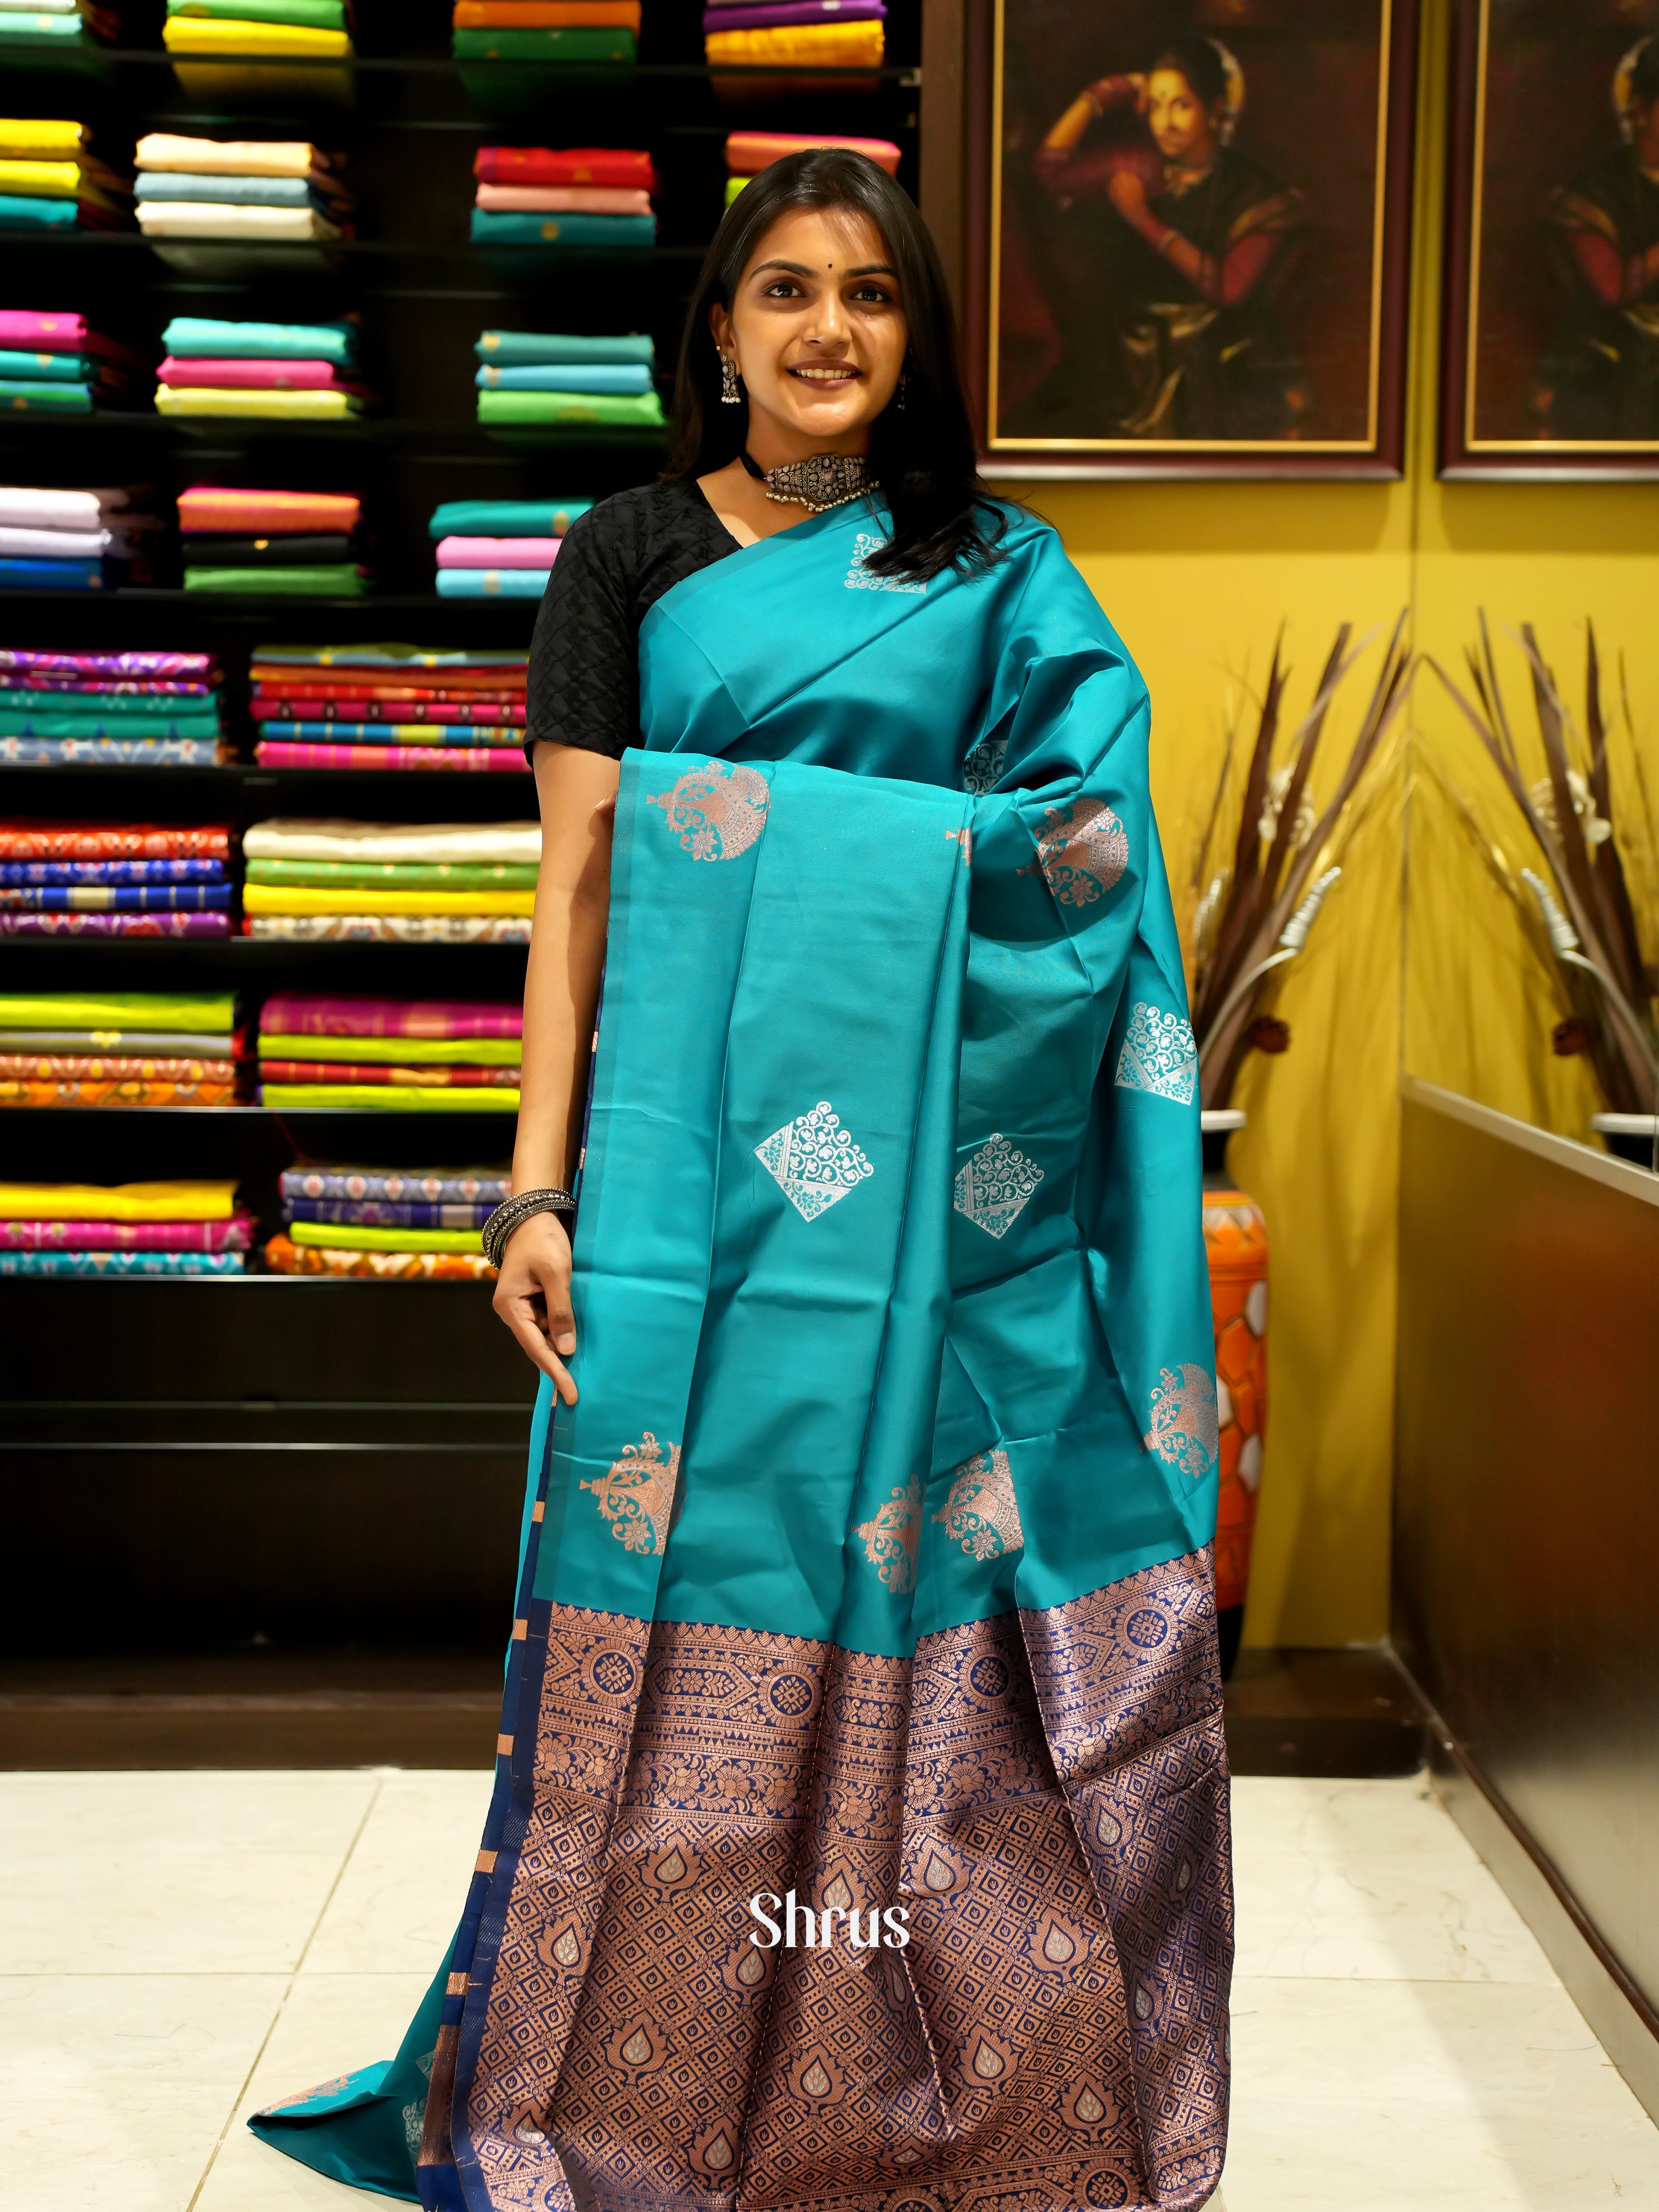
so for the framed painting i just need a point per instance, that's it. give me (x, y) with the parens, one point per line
(1551, 352)
(1192, 252)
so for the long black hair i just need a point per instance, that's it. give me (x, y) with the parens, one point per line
(922, 453)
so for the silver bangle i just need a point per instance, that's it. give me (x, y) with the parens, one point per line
(516, 1210)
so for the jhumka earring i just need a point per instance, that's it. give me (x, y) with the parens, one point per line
(902, 395)
(730, 396)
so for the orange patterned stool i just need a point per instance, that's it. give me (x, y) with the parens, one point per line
(1235, 1242)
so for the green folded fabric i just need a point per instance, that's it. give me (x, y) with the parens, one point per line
(552, 349)
(615, 47)
(316, 15)
(68, 29)
(384, 1098)
(327, 580)
(50, 367)
(346, 1236)
(19, 702)
(639, 411)
(394, 1052)
(397, 875)
(35, 396)
(192, 1013)
(14, 723)
(206, 337)
(18, 211)
(506, 518)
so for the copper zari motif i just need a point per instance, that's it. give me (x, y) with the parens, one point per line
(1045, 1795)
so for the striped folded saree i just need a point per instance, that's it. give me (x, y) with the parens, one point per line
(871, 1568)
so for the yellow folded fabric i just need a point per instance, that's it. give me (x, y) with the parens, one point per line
(41, 181)
(21, 140)
(333, 1236)
(214, 34)
(121, 1201)
(275, 898)
(808, 45)
(212, 399)
(395, 1051)
(385, 1098)
(227, 157)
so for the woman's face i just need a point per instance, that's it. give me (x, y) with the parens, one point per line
(817, 329)
(1182, 128)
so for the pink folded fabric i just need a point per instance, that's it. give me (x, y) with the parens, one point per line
(252, 376)
(274, 754)
(235, 1235)
(301, 1013)
(563, 199)
(497, 552)
(34, 333)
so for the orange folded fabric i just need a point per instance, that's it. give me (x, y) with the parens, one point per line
(749, 152)
(547, 15)
(284, 1257)
(85, 1093)
(212, 506)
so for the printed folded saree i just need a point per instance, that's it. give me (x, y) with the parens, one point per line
(284, 1257)
(328, 731)
(389, 928)
(273, 1070)
(114, 925)
(370, 1213)
(116, 1067)
(271, 754)
(234, 1236)
(110, 752)
(480, 1186)
(121, 1263)
(873, 1563)
(83, 1093)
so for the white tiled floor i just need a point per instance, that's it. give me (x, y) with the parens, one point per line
(1400, 2041)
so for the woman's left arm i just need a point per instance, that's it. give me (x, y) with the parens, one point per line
(1225, 279)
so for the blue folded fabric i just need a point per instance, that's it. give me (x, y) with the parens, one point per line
(23, 874)
(492, 583)
(121, 1263)
(232, 191)
(536, 348)
(207, 339)
(623, 234)
(376, 733)
(51, 575)
(506, 518)
(610, 376)
(118, 898)
(108, 752)
(49, 368)
(24, 214)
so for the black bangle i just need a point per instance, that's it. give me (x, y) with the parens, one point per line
(514, 1211)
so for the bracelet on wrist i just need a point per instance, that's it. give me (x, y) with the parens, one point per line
(513, 1213)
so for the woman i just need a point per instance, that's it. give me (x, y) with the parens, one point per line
(1601, 378)
(1175, 300)
(860, 1829)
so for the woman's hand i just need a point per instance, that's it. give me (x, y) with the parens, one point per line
(533, 1297)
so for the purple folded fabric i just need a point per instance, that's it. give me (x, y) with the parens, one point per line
(114, 925)
(187, 665)
(235, 1235)
(738, 16)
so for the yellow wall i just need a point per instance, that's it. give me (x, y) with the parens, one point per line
(1197, 578)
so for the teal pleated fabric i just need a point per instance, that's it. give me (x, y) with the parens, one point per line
(870, 1570)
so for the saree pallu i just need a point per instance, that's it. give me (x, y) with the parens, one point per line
(872, 1564)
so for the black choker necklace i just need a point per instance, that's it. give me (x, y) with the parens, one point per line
(827, 480)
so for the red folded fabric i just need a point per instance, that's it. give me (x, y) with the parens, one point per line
(749, 152)
(214, 507)
(430, 1078)
(273, 753)
(302, 1013)
(565, 165)
(97, 840)
(273, 679)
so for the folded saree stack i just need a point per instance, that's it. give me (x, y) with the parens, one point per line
(584, 391)
(117, 1048)
(110, 710)
(795, 33)
(50, 180)
(303, 30)
(295, 372)
(749, 152)
(392, 1055)
(186, 1228)
(586, 196)
(499, 548)
(388, 706)
(277, 189)
(53, 364)
(594, 36)
(296, 542)
(113, 880)
(411, 883)
(59, 540)
(404, 1225)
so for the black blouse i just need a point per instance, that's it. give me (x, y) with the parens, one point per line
(616, 563)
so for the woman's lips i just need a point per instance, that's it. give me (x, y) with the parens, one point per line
(828, 376)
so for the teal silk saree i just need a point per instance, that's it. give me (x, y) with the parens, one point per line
(873, 1565)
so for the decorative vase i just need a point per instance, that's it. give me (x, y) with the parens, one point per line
(1236, 1246)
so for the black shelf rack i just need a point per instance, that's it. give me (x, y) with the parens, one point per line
(312, 1508)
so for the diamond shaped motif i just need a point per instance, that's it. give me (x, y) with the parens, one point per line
(1158, 1055)
(814, 1161)
(992, 1186)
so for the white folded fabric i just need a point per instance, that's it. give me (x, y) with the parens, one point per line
(229, 157)
(218, 219)
(33, 507)
(54, 544)
(43, 7)
(280, 839)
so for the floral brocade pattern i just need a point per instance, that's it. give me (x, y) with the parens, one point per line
(1046, 1795)
(814, 1161)
(637, 1494)
(980, 1511)
(1083, 849)
(717, 811)
(1185, 1429)
(1159, 1055)
(993, 1185)
(892, 1537)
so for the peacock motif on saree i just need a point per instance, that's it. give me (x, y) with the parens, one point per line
(980, 1512)
(890, 1540)
(1185, 1429)
(717, 810)
(1083, 849)
(637, 1495)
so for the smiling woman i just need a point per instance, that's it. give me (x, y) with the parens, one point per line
(869, 1566)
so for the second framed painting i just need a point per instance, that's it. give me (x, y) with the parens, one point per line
(1191, 256)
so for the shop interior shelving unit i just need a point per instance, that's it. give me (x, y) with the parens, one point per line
(293, 1498)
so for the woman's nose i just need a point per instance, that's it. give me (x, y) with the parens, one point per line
(826, 321)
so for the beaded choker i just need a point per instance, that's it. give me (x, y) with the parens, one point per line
(826, 480)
